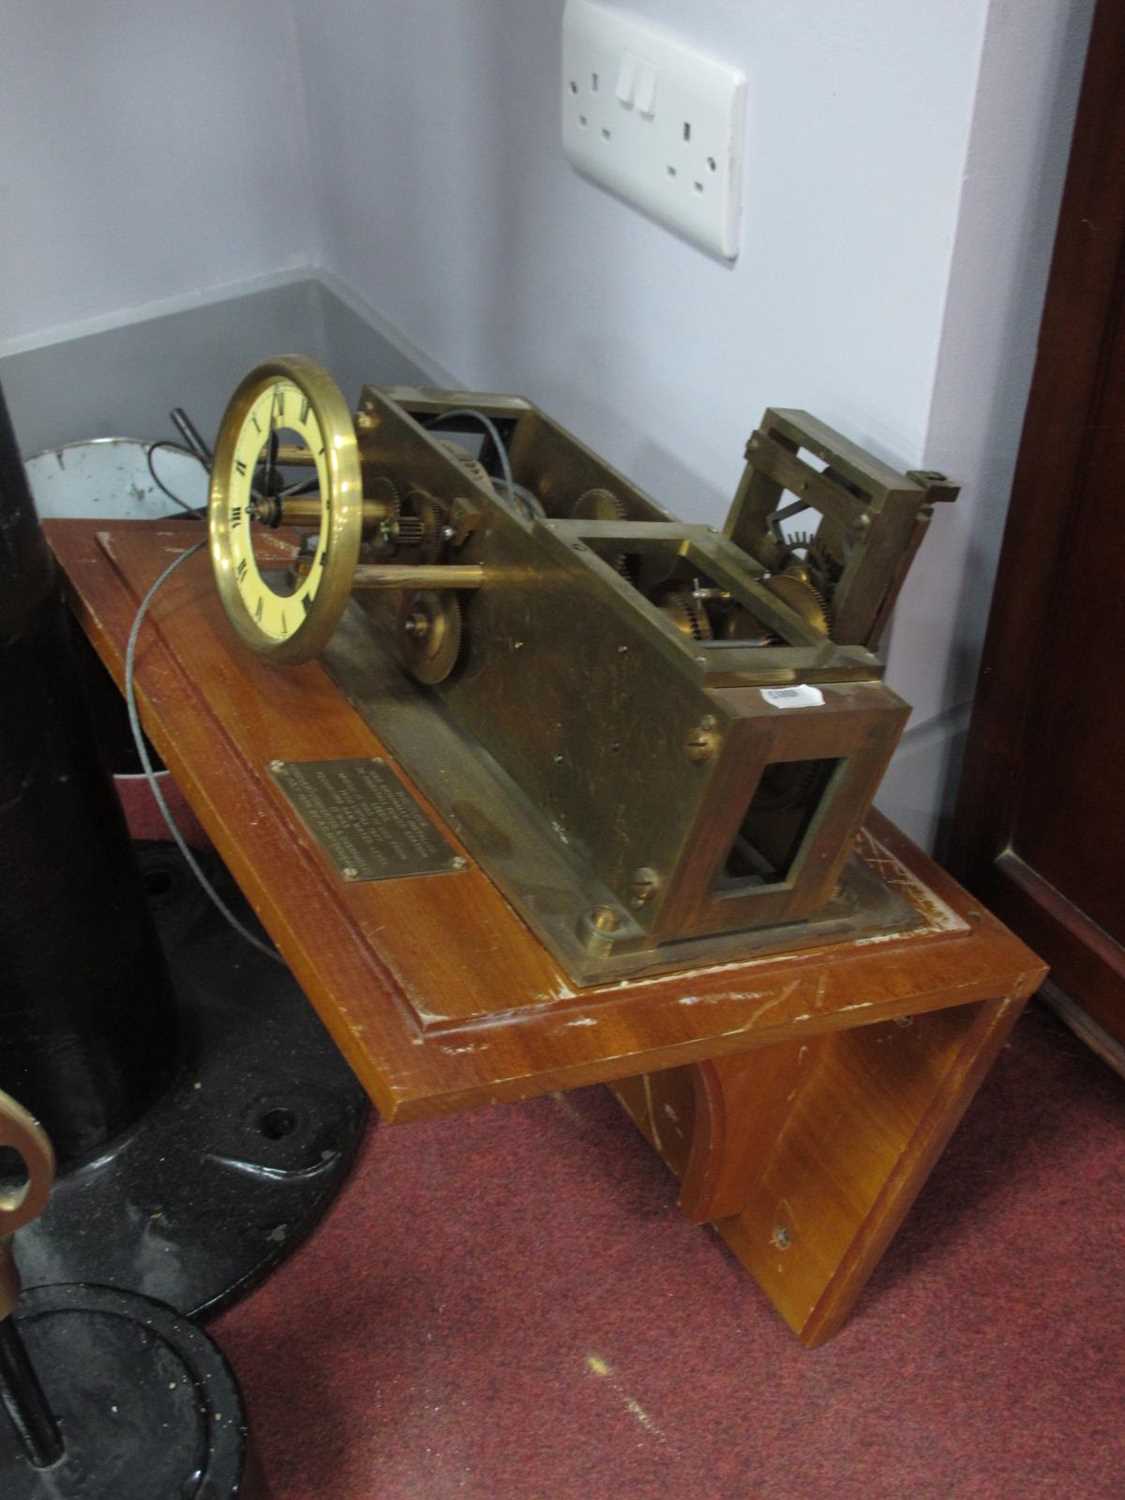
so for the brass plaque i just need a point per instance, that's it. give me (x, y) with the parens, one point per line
(364, 819)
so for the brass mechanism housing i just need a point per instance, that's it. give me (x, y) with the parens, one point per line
(659, 739)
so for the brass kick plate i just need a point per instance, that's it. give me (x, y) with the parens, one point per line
(364, 819)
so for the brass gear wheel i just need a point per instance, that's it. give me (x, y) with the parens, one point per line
(686, 613)
(420, 525)
(794, 587)
(600, 505)
(379, 543)
(429, 634)
(810, 557)
(604, 505)
(740, 625)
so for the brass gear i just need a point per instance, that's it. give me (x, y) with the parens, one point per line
(810, 558)
(604, 505)
(379, 541)
(599, 505)
(429, 634)
(739, 624)
(686, 613)
(795, 589)
(421, 522)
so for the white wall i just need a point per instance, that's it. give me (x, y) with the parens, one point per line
(902, 172)
(449, 206)
(1030, 77)
(903, 166)
(149, 150)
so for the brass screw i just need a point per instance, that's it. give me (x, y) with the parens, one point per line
(781, 1237)
(597, 929)
(702, 741)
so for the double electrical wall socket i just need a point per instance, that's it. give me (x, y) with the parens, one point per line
(655, 121)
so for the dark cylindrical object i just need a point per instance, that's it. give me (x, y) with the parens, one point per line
(87, 1029)
(147, 1406)
(22, 1398)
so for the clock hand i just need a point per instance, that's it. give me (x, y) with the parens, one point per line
(271, 450)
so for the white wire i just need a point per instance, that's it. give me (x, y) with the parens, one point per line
(150, 774)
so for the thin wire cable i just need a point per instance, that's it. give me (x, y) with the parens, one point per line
(515, 500)
(197, 511)
(150, 774)
(532, 504)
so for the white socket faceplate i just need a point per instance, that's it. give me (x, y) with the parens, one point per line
(656, 122)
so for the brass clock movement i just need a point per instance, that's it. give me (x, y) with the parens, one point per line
(659, 739)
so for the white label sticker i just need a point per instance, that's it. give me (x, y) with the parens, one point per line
(801, 696)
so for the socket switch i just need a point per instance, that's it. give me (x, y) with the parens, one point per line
(655, 121)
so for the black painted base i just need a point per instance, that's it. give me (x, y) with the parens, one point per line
(234, 1165)
(145, 1404)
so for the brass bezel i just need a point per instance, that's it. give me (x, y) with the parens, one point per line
(345, 514)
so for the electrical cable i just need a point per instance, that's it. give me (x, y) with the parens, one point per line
(139, 740)
(532, 503)
(198, 511)
(518, 498)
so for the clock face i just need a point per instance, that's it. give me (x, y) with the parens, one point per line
(287, 431)
(281, 408)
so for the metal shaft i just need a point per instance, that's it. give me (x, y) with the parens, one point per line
(22, 1398)
(306, 510)
(418, 576)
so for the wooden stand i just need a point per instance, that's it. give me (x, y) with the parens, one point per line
(803, 1097)
(808, 1156)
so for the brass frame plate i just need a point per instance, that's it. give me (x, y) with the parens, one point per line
(364, 819)
(522, 855)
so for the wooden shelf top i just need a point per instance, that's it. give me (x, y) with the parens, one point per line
(432, 986)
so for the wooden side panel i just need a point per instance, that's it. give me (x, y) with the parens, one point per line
(810, 1155)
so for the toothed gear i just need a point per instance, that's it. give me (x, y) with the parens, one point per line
(409, 531)
(425, 516)
(802, 598)
(686, 613)
(600, 505)
(808, 552)
(604, 505)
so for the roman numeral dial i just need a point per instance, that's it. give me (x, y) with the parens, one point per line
(286, 429)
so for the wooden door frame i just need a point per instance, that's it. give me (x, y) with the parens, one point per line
(1085, 298)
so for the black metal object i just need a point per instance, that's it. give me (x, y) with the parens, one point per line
(201, 1129)
(21, 1396)
(87, 1024)
(234, 1165)
(147, 1406)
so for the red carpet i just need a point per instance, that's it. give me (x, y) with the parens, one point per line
(507, 1306)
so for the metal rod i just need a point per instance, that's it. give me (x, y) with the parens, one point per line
(306, 510)
(190, 434)
(290, 456)
(22, 1398)
(418, 576)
